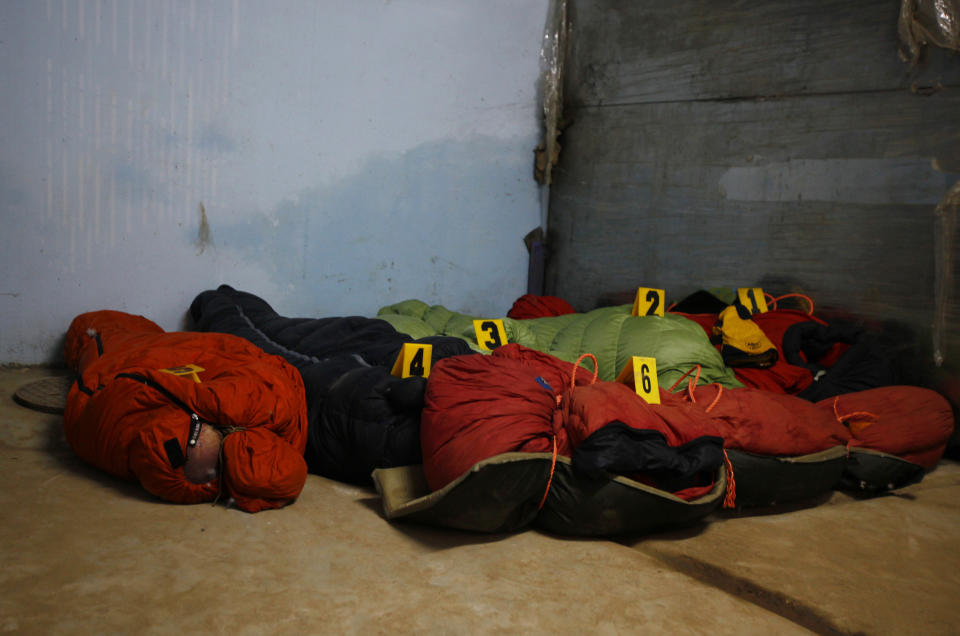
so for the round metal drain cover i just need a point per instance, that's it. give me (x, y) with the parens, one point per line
(48, 394)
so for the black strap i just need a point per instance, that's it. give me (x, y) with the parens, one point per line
(159, 387)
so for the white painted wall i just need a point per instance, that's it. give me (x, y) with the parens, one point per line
(347, 155)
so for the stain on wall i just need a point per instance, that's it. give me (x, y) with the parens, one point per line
(204, 238)
(326, 155)
(431, 228)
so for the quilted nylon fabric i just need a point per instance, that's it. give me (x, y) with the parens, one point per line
(519, 399)
(910, 422)
(610, 333)
(125, 409)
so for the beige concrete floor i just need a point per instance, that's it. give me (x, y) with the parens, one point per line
(82, 553)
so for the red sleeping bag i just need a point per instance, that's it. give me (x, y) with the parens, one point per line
(518, 399)
(533, 306)
(479, 406)
(910, 422)
(782, 448)
(782, 377)
(587, 409)
(142, 394)
(767, 423)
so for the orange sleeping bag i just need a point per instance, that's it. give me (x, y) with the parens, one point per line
(142, 396)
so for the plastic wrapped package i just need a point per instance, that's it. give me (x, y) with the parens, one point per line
(551, 76)
(924, 22)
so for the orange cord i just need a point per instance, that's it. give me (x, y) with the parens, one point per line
(716, 399)
(803, 296)
(843, 418)
(729, 500)
(855, 427)
(680, 379)
(596, 368)
(553, 467)
(692, 384)
(573, 380)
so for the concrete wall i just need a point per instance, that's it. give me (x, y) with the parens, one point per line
(331, 157)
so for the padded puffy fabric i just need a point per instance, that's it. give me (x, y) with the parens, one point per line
(767, 423)
(519, 400)
(361, 417)
(912, 423)
(132, 419)
(364, 419)
(612, 334)
(783, 376)
(477, 407)
(532, 306)
(781, 448)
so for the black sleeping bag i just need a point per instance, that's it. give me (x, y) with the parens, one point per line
(866, 364)
(365, 419)
(360, 416)
(306, 341)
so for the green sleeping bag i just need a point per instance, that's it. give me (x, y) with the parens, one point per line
(609, 333)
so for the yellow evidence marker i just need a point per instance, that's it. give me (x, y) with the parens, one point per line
(413, 360)
(490, 333)
(753, 299)
(642, 374)
(649, 302)
(189, 370)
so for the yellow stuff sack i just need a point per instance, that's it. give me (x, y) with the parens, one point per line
(743, 343)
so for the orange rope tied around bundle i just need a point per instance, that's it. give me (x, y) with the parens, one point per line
(716, 399)
(553, 468)
(772, 302)
(576, 365)
(855, 426)
(730, 498)
(573, 381)
(691, 383)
